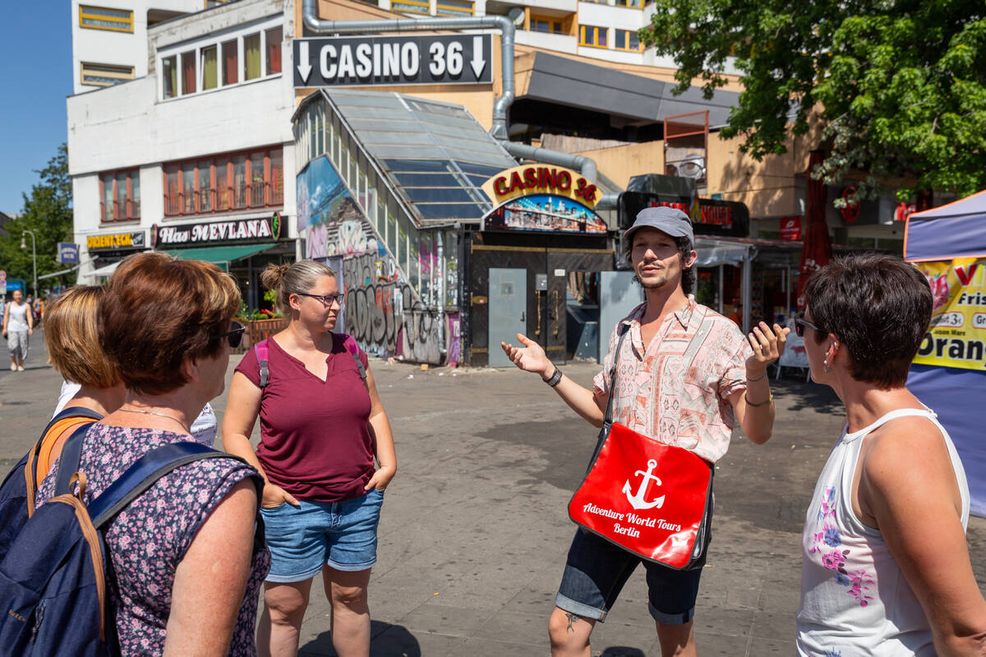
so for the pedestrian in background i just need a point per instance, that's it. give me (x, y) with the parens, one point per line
(18, 327)
(321, 424)
(186, 567)
(886, 569)
(717, 377)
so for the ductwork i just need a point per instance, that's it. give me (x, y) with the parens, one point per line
(501, 107)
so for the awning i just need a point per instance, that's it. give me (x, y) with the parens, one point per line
(712, 253)
(220, 255)
(106, 270)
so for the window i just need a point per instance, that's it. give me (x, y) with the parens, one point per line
(273, 40)
(592, 35)
(546, 25)
(169, 76)
(412, 6)
(634, 4)
(120, 196)
(188, 73)
(627, 40)
(104, 18)
(230, 63)
(454, 8)
(226, 182)
(210, 68)
(251, 57)
(105, 75)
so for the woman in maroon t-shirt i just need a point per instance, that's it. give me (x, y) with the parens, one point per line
(321, 425)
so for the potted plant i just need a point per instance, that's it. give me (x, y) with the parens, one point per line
(261, 323)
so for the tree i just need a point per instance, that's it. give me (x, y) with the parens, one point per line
(48, 212)
(899, 86)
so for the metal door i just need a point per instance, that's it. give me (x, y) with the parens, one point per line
(618, 295)
(508, 311)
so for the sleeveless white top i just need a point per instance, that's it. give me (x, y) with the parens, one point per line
(17, 317)
(855, 601)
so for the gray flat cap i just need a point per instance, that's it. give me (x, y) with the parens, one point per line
(671, 221)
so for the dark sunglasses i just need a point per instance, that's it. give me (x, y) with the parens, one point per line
(326, 299)
(799, 327)
(235, 334)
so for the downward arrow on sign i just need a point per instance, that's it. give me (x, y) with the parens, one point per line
(304, 68)
(478, 64)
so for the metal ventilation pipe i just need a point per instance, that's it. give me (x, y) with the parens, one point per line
(583, 164)
(309, 12)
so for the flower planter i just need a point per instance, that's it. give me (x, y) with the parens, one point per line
(260, 329)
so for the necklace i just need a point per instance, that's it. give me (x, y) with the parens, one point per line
(164, 415)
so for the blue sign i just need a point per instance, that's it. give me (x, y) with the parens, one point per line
(68, 253)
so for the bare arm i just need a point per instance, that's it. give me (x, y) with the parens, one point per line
(380, 424)
(6, 315)
(531, 358)
(242, 409)
(923, 529)
(211, 579)
(754, 407)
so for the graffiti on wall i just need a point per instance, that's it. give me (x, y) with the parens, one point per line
(382, 311)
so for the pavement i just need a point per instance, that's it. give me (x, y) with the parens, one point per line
(474, 530)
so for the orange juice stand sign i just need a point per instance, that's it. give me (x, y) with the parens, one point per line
(530, 179)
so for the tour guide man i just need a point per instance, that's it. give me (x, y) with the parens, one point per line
(686, 374)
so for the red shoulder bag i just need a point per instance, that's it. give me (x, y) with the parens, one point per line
(649, 498)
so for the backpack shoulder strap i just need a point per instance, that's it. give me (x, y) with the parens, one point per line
(353, 349)
(144, 473)
(262, 351)
(71, 456)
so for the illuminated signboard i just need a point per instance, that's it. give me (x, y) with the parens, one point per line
(115, 241)
(717, 218)
(543, 198)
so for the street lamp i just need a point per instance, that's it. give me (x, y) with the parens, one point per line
(34, 255)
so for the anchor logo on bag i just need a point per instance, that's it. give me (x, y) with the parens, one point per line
(638, 500)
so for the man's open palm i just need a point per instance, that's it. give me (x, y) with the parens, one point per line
(530, 357)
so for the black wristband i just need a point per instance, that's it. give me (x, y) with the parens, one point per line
(554, 379)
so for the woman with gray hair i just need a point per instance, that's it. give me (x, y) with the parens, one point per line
(321, 425)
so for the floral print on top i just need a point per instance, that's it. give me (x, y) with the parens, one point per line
(827, 541)
(149, 538)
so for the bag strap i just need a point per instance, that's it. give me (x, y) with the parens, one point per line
(68, 461)
(262, 350)
(31, 472)
(143, 474)
(622, 330)
(353, 349)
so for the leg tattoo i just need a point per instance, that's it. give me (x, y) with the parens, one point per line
(571, 621)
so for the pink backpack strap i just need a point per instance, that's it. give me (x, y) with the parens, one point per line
(262, 350)
(353, 348)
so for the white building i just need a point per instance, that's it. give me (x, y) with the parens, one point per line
(190, 157)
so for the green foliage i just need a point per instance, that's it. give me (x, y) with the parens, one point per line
(900, 84)
(47, 212)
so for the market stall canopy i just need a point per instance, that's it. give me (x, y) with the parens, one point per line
(712, 253)
(956, 230)
(219, 255)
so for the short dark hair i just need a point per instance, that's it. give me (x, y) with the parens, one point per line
(880, 308)
(689, 277)
(157, 311)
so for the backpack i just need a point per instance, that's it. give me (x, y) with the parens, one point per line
(18, 487)
(262, 350)
(54, 594)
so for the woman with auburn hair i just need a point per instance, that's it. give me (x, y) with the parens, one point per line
(72, 339)
(186, 569)
(886, 566)
(321, 424)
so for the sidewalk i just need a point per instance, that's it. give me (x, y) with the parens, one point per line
(474, 530)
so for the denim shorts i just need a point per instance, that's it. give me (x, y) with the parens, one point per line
(597, 570)
(302, 540)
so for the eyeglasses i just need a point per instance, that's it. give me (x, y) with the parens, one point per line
(235, 334)
(799, 327)
(326, 299)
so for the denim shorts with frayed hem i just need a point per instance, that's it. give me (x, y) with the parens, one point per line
(302, 540)
(597, 570)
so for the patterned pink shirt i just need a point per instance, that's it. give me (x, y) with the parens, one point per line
(677, 388)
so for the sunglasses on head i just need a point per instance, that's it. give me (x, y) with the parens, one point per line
(235, 334)
(799, 327)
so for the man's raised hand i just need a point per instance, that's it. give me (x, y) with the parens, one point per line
(530, 357)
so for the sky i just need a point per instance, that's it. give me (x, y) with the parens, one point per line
(35, 80)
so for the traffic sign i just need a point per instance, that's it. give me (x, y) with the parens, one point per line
(68, 253)
(393, 60)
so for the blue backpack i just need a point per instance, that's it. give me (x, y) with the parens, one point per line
(17, 489)
(54, 579)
